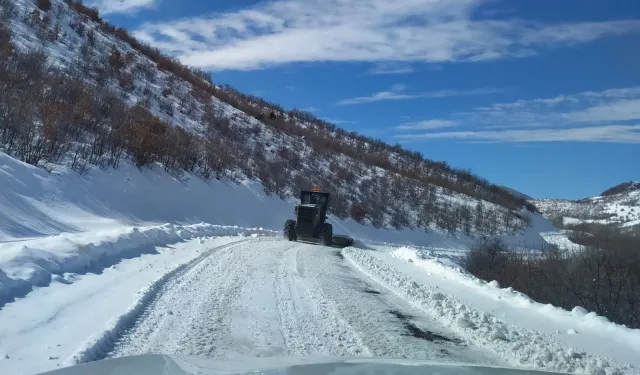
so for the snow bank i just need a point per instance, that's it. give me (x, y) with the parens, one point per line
(525, 333)
(35, 203)
(36, 262)
(75, 316)
(577, 318)
(538, 235)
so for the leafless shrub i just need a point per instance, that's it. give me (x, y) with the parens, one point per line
(358, 212)
(604, 278)
(80, 162)
(44, 5)
(125, 79)
(7, 9)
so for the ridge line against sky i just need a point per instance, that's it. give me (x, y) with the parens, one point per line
(444, 77)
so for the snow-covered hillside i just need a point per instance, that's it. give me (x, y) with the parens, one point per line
(229, 135)
(619, 206)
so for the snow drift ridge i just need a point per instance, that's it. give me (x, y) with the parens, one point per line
(38, 262)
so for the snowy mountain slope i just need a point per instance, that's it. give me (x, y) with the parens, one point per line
(618, 206)
(625, 187)
(285, 153)
(111, 198)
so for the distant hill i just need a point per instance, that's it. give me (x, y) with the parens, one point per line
(624, 187)
(617, 206)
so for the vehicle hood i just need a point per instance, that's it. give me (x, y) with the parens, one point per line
(180, 365)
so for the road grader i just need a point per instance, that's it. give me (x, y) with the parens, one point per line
(311, 224)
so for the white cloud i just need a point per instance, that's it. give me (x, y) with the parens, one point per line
(390, 68)
(339, 122)
(610, 134)
(578, 33)
(397, 90)
(592, 116)
(379, 31)
(626, 92)
(569, 99)
(448, 93)
(618, 110)
(595, 107)
(124, 6)
(427, 124)
(378, 97)
(311, 109)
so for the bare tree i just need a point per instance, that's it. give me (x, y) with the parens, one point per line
(466, 217)
(44, 5)
(479, 221)
(358, 212)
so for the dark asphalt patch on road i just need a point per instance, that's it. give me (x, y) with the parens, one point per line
(399, 315)
(417, 332)
(371, 291)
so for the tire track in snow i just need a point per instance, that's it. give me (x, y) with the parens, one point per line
(385, 324)
(310, 325)
(100, 346)
(223, 308)
(245, 300)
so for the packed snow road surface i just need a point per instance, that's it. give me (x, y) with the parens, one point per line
(268, 297)
(258, 296)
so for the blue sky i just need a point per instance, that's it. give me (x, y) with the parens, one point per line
(542, 96)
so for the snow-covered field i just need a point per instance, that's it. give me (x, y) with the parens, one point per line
(123, 262)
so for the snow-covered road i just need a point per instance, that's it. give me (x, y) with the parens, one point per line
(268, 297)
(255, 295)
